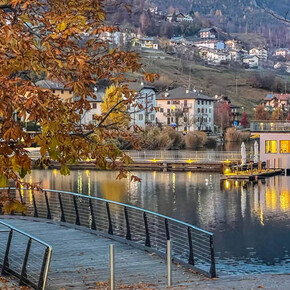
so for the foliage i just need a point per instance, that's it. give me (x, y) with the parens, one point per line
(278, 114)
(234, 135)
(223, 115)
(59, 40)
(194, 140)
(260, 113)
(244, 120)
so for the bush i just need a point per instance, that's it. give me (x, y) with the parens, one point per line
(234, 135)
(195, 139)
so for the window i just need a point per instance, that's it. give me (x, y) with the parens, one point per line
(161, 110)
(209, 110)
(285, 146)
(271, 146)
(94, 105)
(168, 111)
(209, 119)
(198, 110)
(53, 91)
(62, 91)
(202, 110)
(152, 117)
(168, 121)
(168, 102)
(140, 117)
(202, 102)
(198, 102)
(70, 92)
(206, 110)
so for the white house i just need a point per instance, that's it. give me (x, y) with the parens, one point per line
(252, 61)
(87, 116)
(143, 113)
(208, 33)
(216, 56)
(261, 53)
(185, 110)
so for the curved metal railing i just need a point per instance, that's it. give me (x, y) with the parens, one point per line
(24, 256)
(191, 246)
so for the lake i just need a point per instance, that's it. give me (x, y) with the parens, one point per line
(250, 222)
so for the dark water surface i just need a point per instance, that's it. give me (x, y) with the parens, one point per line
(250, 222)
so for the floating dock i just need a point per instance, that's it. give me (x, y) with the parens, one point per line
(245, 175)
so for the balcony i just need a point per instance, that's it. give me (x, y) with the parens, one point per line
(270, 126)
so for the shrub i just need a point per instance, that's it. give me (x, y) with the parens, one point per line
(234, 135)
(195, 139)
(210, 143)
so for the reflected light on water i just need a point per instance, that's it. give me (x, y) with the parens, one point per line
(242, 215)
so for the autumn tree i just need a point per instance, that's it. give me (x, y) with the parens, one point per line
(59, 40)
(244, 120)
(261, 113)
(277, 114)
(223, 116)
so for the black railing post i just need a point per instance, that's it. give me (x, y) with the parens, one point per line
(167, 230)
(212, 259)
(6, 260)
(47, 206)
(76, 211)
(128, 233)
(147, 240)
(21, 200)
(190, 257)
(23, 271)
(93, 225)
(62, 218)
(40, 281)
(34, 206)
(110, 229)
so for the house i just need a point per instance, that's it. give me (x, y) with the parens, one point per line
(283, 52)
(116, 38)
(208, 33)
(217, 57)
(206, 43)
(251, 60)
(87, 117)
(272, 101)
(146, 43)
(178, 40)
(179, 17)
(237, 55)
(185, 110)
(274, 143)
(261, 53)
(59, 89)
(143, 112)
(234, 44)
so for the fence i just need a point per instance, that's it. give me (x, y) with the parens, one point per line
(202, 156)
(191, 246)
(24, 256)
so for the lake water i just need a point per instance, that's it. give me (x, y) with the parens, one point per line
(250, 222)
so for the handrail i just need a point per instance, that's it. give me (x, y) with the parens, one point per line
(191, 246)
(12, 258)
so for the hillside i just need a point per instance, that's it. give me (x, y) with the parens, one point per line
(211, 80)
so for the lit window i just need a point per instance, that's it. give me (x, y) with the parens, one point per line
(285, 146)
(271, 146)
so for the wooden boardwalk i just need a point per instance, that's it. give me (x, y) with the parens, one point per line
(80, 259)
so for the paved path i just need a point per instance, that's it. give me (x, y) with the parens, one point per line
(80, 259)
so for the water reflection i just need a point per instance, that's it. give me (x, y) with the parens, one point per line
(251, 222)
